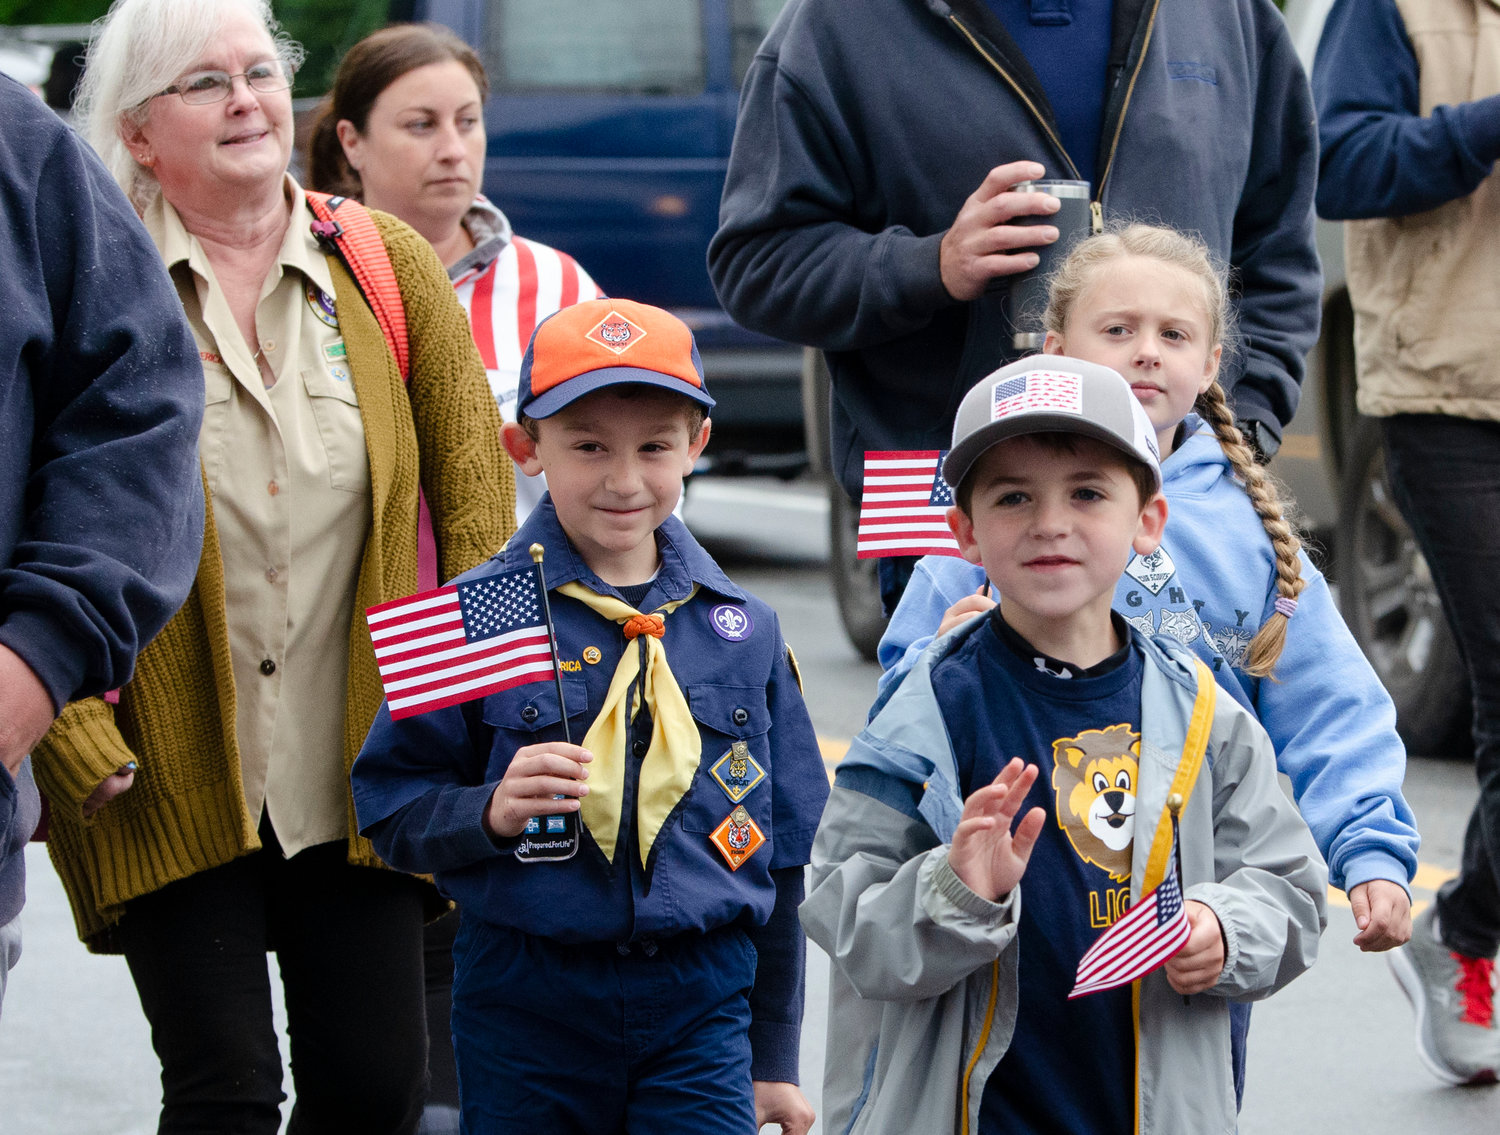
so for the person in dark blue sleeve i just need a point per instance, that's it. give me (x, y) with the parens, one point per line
(101, 395)
(1408, 95)
(665, 957)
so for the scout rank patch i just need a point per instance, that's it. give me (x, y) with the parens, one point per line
(738, 837)
(737, 772)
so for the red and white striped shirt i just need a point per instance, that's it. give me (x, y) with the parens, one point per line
(508, 285)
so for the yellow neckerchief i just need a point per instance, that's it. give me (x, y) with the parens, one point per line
(671, 761)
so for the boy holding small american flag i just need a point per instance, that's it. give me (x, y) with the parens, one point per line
(1100, 1003)
(640, 970)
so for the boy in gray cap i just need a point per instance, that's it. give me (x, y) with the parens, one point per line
(954, 1006)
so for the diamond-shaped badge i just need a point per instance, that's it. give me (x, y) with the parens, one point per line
(737, 838)
(737, 772)
(616, 333)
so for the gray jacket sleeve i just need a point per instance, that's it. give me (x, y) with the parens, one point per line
(1270, 883)
(885, 905)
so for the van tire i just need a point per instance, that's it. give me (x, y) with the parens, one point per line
(856, 583)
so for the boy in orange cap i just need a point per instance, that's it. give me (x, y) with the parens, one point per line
(662, 965)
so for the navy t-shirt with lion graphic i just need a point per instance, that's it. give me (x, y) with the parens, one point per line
(1071, 1064)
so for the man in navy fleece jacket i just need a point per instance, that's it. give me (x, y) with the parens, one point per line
(101, 506)
(868, 209)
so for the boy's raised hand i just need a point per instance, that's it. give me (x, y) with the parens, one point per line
(1382, 911)
(985, 854)
(1199, 963)
(536, 776)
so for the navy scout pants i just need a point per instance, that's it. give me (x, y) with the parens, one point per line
(599, 1038)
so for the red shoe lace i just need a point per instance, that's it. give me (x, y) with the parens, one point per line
(1476, 982)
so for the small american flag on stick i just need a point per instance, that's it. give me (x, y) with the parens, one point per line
(461, 642)
(905, 505)
(1147, 935)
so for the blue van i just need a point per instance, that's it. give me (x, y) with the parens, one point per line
(610, 123)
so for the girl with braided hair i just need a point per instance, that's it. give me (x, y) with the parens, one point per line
(1230, 580)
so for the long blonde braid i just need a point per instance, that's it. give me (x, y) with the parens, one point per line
(1169, 246)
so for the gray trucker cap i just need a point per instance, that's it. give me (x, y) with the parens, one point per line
(1050, 394)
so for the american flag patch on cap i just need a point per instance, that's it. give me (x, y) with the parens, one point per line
(1038, 390)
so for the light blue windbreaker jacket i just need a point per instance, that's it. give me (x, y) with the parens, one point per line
(1210, 586)
(922, 989)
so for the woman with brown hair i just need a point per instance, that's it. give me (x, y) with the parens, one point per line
(403, 131)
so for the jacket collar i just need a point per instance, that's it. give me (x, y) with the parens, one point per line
(1128, 39)
(491, 233)
(908, 740)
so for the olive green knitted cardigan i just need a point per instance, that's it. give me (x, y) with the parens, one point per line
(186, 810)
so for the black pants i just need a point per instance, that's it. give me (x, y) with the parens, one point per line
(437, 945)
(349, 944)
(1446, 475)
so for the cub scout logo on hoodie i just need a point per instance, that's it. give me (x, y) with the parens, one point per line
(616, 333)
(1094, 777)
(1151, 571)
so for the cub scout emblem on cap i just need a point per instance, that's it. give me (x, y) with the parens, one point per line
(737, 838)
(737, 772)
(731, 623)
(616, 333)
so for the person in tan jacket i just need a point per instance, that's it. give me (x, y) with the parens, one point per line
(205, 819)
(1408, 95)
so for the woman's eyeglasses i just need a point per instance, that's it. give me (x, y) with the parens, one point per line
(203, 87)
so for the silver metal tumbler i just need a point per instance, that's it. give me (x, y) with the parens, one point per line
(1028, 291)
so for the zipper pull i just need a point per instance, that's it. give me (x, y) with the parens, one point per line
(1096, 215)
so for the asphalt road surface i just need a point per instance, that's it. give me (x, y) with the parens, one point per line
(1331, 1053)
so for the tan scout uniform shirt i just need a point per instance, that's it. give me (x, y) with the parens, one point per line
(287, 470)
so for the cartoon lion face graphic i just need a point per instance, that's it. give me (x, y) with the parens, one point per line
(1094, 778)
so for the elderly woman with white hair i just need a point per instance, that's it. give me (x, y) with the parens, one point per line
(205, 819)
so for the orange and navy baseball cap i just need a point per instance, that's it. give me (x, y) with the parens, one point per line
(608, 342)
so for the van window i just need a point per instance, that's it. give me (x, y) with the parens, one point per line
(751, 20)
(603, 46)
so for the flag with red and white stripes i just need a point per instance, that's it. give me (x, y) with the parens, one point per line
(904, 510)
(461, 642)
(1143, 938)
(508, 297)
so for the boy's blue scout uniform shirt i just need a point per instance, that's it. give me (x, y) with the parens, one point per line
(439, 768)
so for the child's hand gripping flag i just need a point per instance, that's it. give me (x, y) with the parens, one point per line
(442, 647)
(904, 510)
(1144, 938)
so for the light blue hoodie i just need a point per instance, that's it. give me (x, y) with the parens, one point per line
(1210, 586)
